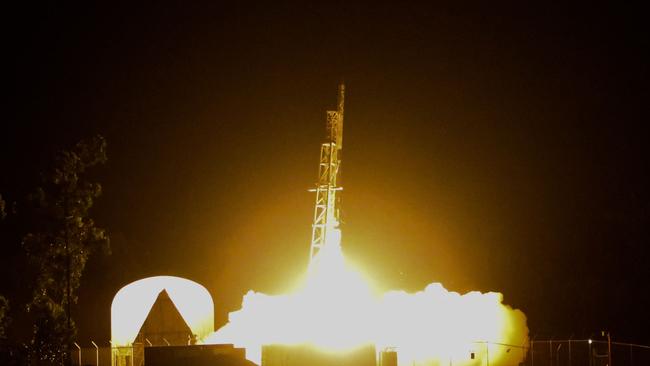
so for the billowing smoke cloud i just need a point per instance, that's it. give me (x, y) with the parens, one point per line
(335, 309)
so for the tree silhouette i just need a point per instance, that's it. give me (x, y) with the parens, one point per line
(64, 236)
(3, 214)
(4, 317)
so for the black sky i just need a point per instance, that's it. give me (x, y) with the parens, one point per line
(491, 148)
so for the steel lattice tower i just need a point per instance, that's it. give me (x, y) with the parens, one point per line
(326, 209)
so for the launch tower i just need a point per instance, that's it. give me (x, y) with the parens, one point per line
(326, 210)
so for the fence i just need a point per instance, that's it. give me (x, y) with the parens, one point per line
(96, 355)
(586, 352)
(572, 352)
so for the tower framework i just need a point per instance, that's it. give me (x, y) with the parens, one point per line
(327, 207)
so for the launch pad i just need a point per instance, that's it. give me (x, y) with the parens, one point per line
(333, 318)
(301, 355)
(196, 355)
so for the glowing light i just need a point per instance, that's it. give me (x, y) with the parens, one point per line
(335, 310)
(132, 304)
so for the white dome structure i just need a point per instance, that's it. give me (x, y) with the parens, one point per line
(133, 302)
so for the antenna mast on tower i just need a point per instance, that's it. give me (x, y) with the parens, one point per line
(326, 210)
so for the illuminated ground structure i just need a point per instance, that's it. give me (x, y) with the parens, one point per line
(300, 355)
(164, 325)
(327, 215)
(197, 355)
(157, 311)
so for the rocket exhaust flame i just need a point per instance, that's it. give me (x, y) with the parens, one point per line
(334, 308)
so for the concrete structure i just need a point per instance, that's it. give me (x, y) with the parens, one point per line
(301, 355)
(198, 355)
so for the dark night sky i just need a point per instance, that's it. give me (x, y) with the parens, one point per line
(489, 148)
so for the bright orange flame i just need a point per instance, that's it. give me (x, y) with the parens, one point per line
(335, 309)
